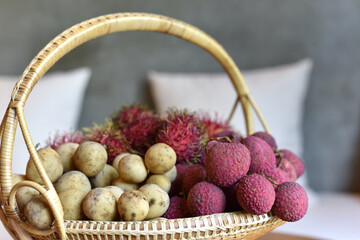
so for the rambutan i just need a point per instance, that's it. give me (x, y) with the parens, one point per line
(215, 125)
(142, 132)
(128, 114)
(110, 137)
(185, 134)
(64, 137)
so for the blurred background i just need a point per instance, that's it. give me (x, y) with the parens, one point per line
(256, 34)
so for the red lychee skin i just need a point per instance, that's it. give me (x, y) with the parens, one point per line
(295, 161)
(185, 134)
(227, 162)
(177, 208)
(205, 198)
(194, 174)
(207, 147)
(276, 176)
(287, 167)
(267, 137)
(255, 194)
(262, 155)
(291, 202)
(176, 185)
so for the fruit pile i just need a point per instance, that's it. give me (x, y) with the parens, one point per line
(140, 166)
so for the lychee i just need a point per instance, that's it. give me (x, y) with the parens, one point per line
(194, 174)
(295, 161)
(267, 137)
(185, 134)
(177, 208)
(227, 162)
(291, 202)
(287, 167)
(176, 185)
(205, 198)
(262, 155)
(276, 176)
(255, 194)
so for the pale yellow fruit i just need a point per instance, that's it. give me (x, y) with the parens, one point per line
(52, 163)
(119, 182)
(67, 155)
(171, 174)
(158, 199)
(24, 195)
(160, 180)
(160, 158)
(90, 158)
(104, 177)
(100, 205)
(73, 179)
(132, 169)
(116, 191)
(71, 201)
(117, 159)
(17, 178)
(133, 206)
(38, 214)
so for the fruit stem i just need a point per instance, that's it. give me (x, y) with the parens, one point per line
(269, 179)
(280, 155)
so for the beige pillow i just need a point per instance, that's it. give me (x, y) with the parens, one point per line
(278, 91)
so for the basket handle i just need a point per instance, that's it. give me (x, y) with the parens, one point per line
(74, 37)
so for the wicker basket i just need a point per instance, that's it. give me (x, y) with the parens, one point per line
(236, 225)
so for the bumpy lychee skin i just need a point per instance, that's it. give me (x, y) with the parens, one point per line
(262, 155)
(184, 133)
(295, 161)
(177, 208)
(227, 162)
(194, 174)
(176, 185)
(276, 176)
(287, 167)
(267, 137)
(255, 194)
(205, 198)
(291, 202)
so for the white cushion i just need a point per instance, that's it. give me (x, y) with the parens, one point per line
(53, 105)
(278, 91)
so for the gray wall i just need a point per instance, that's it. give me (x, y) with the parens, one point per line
(256, 34)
